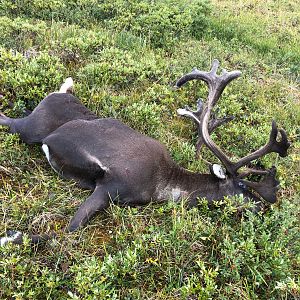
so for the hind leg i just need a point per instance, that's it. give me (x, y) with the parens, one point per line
(67, 86)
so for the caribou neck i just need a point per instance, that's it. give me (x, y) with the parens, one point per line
(184, 184)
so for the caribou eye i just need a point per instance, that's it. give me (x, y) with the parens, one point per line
(242, 185)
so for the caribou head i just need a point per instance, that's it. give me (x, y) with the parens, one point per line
(206, 124)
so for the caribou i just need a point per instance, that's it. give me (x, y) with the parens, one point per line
(120, 165)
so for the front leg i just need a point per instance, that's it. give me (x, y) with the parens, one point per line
(98, 201)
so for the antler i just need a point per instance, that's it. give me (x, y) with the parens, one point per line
(213, 124)
(216, 85)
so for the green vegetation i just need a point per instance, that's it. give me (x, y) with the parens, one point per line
(124, 56)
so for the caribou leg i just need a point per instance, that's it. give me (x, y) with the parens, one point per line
(17, 237)
(98, 201)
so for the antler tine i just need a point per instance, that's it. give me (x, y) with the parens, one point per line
(199, 109)
(213, 124)
(197, 74)
(203, 124)
(272, 145)
(251, 171)
(216, 85)
(267, 187)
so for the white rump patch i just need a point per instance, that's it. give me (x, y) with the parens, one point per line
(7, 239)
(218, 171)
(67, 85)
(47, 153)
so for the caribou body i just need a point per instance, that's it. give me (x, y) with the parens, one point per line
(122, 165)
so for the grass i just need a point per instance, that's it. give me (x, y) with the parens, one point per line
(158, 251)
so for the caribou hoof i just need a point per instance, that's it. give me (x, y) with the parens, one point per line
(11, 236)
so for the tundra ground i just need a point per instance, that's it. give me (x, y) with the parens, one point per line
(124, 57)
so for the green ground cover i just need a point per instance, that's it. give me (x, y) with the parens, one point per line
(124, 57)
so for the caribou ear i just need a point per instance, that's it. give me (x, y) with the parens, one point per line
(218, 171)
(267, 187)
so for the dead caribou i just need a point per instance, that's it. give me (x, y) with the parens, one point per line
(121, 165)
